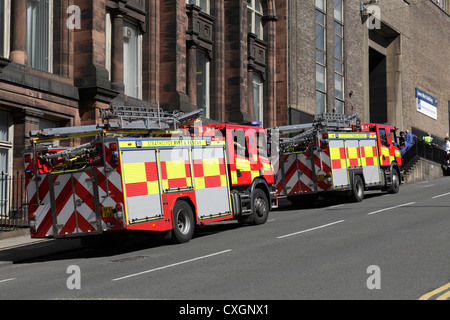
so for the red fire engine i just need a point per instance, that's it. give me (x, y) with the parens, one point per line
(332, 155)
(146, 169)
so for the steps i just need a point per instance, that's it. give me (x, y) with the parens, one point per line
(423, 169)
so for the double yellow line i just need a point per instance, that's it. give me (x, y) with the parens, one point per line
(439, 290)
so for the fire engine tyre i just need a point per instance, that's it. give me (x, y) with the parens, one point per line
(183, 218)
(358, 189)
(395, 185)
(260, 207)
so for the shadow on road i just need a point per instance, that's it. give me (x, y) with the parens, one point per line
(100, 246)
(111, 246)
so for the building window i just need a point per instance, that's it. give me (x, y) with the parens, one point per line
(338, 56)
(5, 142)
(108, 43)
(204, 4)
(5, 27)
(203, 78)
(258, 91)
(321, 87)
(39, 34)
(254, 17)
(6, 163)
(132, 60)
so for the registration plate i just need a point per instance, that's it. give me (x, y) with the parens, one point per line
(320, 177)
(107, 212)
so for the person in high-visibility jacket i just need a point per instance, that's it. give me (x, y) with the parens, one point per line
(428, 139)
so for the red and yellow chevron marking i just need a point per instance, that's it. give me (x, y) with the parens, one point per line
(209, 173)
(141, 179)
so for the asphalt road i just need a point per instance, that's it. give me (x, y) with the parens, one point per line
(393, 247)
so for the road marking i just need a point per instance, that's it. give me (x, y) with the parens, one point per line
(7, 280)
(434, 292)
(445, 296)
(335, 206)
(172, 265)
(319, 227)
(441, 195)
(428, 185)
(390, 208)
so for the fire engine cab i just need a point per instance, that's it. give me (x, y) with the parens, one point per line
(146, 169)
(333, 155)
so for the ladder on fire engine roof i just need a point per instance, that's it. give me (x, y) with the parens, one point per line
(322, 121)
(125, 119)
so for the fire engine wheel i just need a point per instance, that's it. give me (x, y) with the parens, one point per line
(395, 186)
(358, 189)
(184, 222)
(260, 210)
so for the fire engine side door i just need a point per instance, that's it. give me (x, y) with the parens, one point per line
(211, 182)
(338, 159)
(384, 143)
(239, 158)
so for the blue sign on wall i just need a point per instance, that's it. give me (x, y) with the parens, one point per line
(426, 104)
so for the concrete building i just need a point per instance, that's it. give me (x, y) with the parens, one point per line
(387, 61)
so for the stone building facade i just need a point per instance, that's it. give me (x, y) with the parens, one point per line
(61, 61)
(275, 61)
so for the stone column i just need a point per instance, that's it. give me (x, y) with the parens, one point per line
(19, 32)
(192, 74)
(117, 77)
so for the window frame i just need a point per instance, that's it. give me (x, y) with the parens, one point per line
(205, 84)
(321, 64)
(31, 46)
(253, 13)
(7, 145)
(338, 24)
(258, 82)
(5, 24)
(139, 43)
(198, 3)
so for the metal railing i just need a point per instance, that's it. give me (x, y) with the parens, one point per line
(419, 149)
(13, 204)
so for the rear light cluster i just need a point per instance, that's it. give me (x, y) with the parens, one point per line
(114, 154)
(119, 213)
(329, 180)
(27, 159)
(32, 221)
